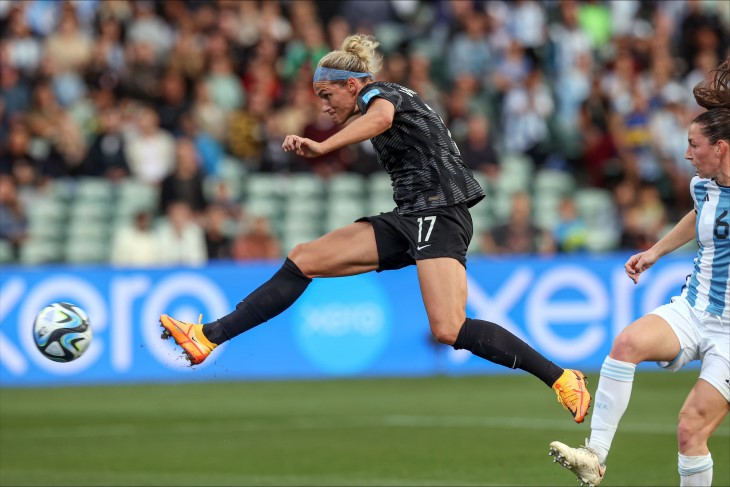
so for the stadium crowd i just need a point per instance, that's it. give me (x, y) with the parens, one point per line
(165, 92)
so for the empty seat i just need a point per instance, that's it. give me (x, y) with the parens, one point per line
(553, 181)
(346, 184)
(39, 251)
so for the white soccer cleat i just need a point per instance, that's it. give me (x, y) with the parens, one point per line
(583, 462)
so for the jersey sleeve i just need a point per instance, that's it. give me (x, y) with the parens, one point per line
(373, 90)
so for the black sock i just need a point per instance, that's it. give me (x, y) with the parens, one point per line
(269, 300)
(492, 342)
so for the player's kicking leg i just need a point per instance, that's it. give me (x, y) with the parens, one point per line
(583, 462)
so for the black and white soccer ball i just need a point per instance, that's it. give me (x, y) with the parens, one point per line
(62, 332)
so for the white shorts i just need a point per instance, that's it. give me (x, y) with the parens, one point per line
(702, 336)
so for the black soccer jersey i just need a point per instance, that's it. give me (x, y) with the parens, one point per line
(423, 162)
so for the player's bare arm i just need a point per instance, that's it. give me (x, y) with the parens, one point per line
(683, 232)
(377, 120)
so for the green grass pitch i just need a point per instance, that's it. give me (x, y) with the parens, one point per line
(486, 430)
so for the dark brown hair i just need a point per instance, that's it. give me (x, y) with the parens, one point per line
(714, 95)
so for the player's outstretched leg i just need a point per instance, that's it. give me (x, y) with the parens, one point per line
(583, 462)
(189, 336)
(572, 391)
(496, 344)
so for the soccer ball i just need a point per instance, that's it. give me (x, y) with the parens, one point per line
(62, 332)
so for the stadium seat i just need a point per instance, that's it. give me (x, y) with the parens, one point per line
(485, 183)
(98, 230)
(304, 186)
(133, 195)
(90, 213)
(39, 251)
(555, 182)
(343, 211)
(379, 203)
(263, 185)
(6, 252)
(48, 208)
(545, 210)
(602, 239)
(83, 250)
(62, 188)
(94, 189)
(346, 184)
(379, 184)
(269, 207)
(595, 206)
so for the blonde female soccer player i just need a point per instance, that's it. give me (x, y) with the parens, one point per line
(431, 226)
(694, 325)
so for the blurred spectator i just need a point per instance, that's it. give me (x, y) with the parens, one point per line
(186, 182)
(604, 86)
(209, 149)
(571, 232)
(652, 213)
(149, 29)
(596, 142)
(257, 243)
(15, 96)
(24, 49)
(246, 130)
(633, 235)
(69, 48)
(511, 68)
(701, 29)
(16, 158)
(208, 116)
(217, 240)
(525, 117)
(594, 19)
(13, 222)
(518, 235)
(304, 52)
(469, 51)
(568, 41)
(478, 150)
(172, 102)
(135, 244)
(142, 73)
(179, 240)
(225, 88)
(633, 136)
(188, 54)
(150, 149)
(527, 23)
(106, 156)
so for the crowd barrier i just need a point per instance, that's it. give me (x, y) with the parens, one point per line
(569, 308)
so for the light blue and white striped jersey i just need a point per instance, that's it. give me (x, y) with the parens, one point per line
(708, 288)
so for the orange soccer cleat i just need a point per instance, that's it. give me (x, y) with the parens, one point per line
(573, 394)
(189, 336)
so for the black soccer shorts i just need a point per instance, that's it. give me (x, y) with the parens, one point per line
(404, 239)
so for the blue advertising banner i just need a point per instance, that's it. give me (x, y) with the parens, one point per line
(569, 308)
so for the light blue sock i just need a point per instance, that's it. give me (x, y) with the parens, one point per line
(610, 403)
(695, 471)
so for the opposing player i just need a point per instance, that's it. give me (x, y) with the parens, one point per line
(695, 325)
(431, 226)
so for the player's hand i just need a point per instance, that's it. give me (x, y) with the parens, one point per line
(302, 146)
(638, 263)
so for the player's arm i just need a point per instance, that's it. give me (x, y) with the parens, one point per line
(683, 232)
(375, 121)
